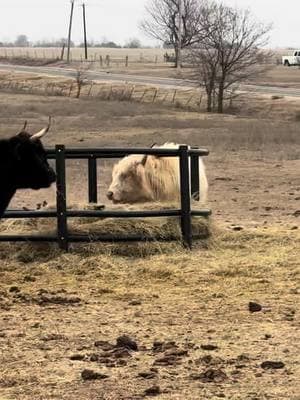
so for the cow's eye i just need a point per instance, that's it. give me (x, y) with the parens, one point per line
(123, 176)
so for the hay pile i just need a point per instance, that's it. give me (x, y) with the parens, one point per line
(160, 228)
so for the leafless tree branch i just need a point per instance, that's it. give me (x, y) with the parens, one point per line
(162, 22)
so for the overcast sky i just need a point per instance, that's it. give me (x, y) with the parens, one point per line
(118, 20)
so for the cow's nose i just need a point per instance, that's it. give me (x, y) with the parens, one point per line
(109, 195)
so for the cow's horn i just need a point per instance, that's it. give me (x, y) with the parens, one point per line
(25, 125)
(42, 132)
(144, 159)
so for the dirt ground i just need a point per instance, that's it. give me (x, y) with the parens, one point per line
(191, 332)
(253, 168)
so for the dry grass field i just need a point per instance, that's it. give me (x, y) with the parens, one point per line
(187, 313)
(135, 55)
(140, 61)
(262, 106)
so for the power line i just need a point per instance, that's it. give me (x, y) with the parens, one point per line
(70, 30)
(84, 31)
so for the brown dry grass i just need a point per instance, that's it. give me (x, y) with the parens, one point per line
(246, 104)
(192, 299)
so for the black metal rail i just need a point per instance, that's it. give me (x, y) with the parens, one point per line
(118, 152)
(189, 188)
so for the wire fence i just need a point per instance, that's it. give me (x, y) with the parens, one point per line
(190, 99)
(99, 57)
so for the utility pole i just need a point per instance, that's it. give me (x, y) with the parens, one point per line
(84, 30)
(180, 12)
(70, 30)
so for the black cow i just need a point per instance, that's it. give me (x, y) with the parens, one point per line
(23, 165)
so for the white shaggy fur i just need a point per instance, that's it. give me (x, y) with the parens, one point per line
(157, 180)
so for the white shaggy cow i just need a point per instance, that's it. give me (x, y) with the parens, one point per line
(143, 178)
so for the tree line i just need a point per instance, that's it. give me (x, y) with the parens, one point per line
(224, 45)
(23, 41)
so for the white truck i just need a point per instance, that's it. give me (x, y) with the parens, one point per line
(291, 60)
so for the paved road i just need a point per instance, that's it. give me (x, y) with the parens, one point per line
(146, 80)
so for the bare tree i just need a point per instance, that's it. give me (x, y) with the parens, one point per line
(22, 41)
(133, 43)
(162, 22)
(230, 52)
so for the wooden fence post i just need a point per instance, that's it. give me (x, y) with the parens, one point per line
(165, 97)
(131, 92)
(122, 94)
(155, 94)
(99, 92)
(174, 95)
(200, 100)
(62, 51)
(110, 93)
(90, 89)
(143, 95)
(70, 90)
(189, 100)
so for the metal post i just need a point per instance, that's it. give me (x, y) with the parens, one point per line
(61, 201)
(186, 222)
(195, 181)
(92, 176)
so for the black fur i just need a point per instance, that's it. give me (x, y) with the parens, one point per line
(23, 165)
